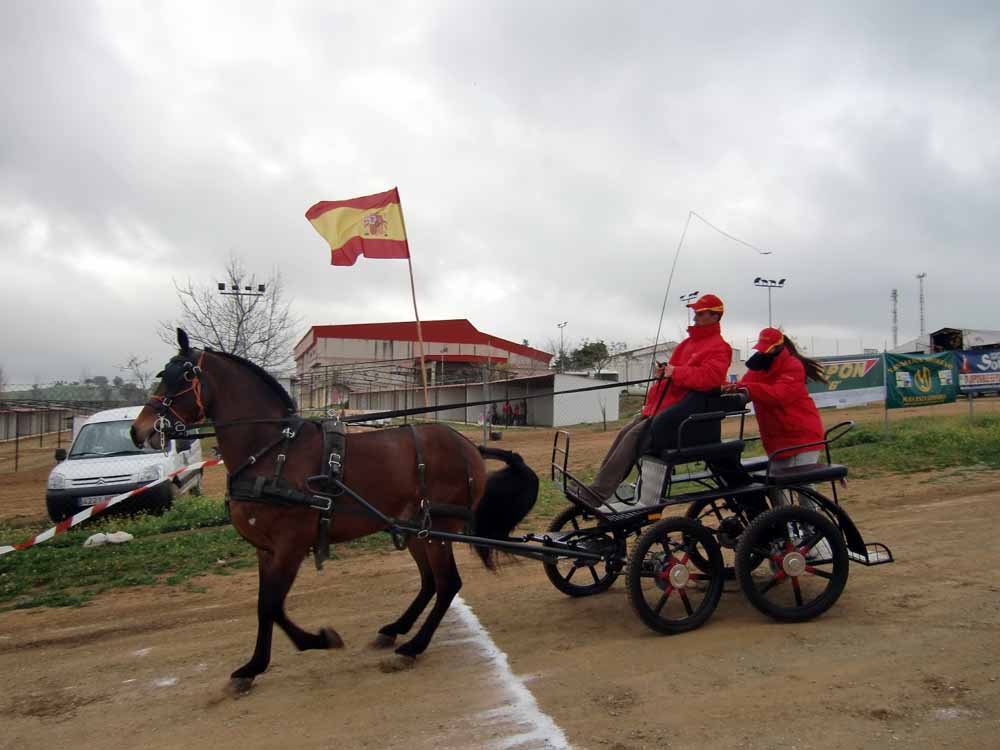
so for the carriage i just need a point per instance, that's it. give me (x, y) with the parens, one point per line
(788, 545)
(701, 514)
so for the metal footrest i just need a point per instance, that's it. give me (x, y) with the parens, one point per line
(875, 554)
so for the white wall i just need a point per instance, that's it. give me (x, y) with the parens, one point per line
(581, 408)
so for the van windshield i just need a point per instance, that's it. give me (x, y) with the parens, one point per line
(106, 439)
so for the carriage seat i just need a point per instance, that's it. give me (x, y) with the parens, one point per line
(703, 452)
(811, 474)
(731, 403)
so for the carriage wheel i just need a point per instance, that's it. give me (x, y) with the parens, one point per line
(575, 577)
(715, 515)
(667, 589)
(806, 563)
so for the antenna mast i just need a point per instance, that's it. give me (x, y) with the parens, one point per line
(923, 330)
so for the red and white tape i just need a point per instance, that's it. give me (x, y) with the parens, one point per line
(102, 506)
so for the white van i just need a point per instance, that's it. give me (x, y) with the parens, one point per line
(103, 462)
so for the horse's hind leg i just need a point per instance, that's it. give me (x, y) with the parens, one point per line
(387, 634)
(447, 582)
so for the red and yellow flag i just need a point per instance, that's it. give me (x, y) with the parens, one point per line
(371, 226)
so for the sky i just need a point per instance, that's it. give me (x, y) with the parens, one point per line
(547, 156)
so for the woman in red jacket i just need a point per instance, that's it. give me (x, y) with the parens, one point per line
(786, 414)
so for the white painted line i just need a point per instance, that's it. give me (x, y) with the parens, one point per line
(522, 709)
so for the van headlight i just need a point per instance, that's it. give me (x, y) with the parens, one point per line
(56, 481)
(149, 474)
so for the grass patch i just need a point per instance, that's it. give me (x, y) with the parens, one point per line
(920, 445)
(172, 549)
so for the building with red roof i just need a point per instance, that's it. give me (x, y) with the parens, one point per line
(332, 360)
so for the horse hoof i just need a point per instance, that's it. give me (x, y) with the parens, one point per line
(239, 686)
(397, 663)
(333, 639)
(383, 640)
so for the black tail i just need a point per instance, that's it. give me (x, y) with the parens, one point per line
(509, 496)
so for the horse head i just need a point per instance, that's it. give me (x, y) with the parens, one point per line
(177, 401)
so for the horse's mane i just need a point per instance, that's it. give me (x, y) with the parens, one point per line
(264, 375)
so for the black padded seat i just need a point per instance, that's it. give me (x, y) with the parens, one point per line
(810, 474)
(757, 463)
(704, 452)
(731, 403)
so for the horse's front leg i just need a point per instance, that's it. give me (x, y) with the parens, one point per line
(242, 679)
(277, 571)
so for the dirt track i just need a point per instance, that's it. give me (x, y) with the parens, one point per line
(907, 658)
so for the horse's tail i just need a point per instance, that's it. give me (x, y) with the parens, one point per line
(509, 496)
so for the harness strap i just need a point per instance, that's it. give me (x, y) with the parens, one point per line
(457, 438)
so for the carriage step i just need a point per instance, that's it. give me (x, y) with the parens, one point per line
(874, 554)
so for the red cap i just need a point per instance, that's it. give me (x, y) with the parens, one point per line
(769, 340)
(708, 302)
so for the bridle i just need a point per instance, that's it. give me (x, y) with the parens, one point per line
(190, 377)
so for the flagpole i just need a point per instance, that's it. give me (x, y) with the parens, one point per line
(413, 294)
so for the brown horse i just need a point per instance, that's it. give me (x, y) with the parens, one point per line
(260, 438)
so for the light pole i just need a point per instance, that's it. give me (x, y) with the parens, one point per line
(562, 350)
(686, 298)
(246, 291)
(769, 284)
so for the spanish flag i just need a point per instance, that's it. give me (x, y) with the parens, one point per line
(371, 226)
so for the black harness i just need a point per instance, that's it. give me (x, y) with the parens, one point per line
(322, 489)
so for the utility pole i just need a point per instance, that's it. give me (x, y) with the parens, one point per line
(923, 330)
(895, 317)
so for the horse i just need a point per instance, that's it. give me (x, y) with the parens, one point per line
(261, 439)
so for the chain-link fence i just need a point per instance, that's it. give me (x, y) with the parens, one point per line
(517, 399)
(31, 430)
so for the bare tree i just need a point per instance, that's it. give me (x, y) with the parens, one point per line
(3, 381)
(257, 326)
(138, 371)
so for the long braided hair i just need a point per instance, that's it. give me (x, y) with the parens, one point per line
(814, 370)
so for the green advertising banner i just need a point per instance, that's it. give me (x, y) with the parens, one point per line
(920, 379)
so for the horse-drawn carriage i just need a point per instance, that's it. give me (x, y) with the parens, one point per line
(700, 514)
(297, 484)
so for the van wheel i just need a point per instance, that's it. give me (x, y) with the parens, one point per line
(162, 504)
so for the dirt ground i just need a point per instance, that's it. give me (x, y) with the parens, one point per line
(907, 658)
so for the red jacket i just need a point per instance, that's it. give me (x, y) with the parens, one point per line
(700, 363)
(786, 413)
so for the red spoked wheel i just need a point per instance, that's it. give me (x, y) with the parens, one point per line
(792, 563)
(675, 575)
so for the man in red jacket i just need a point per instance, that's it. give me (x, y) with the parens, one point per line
(698, 365)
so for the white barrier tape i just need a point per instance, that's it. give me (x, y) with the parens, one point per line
(102, 506)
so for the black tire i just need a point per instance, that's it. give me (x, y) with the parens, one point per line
(813, 585)
(159, 502)
(594, 577)
(714, 514)
(196, 488)
(654, 561)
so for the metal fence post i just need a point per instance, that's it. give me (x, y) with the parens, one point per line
(486, 397)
